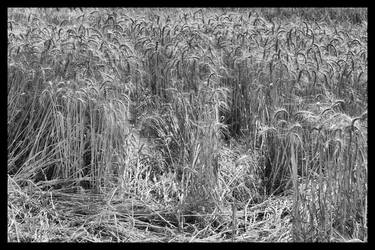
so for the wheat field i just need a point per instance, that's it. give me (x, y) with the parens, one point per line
(187, 125)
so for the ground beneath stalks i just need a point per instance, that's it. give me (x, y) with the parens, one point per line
(58, 216)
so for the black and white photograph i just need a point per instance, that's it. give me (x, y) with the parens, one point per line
(171, 124)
